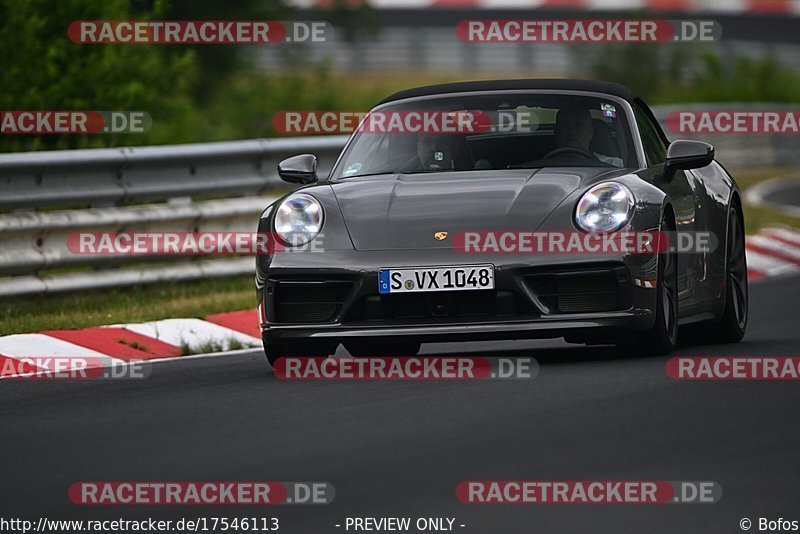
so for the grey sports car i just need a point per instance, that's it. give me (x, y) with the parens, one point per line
(552, 157)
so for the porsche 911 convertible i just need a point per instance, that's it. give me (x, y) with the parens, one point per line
(387, 274)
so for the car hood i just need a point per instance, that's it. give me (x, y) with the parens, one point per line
(404, 211)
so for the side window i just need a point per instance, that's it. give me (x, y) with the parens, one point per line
(654, 147)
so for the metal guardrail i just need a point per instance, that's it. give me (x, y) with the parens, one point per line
(34, 242)
(38, 240)
(108, 176)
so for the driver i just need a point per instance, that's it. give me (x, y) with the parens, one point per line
(574, 129)
(434, 152)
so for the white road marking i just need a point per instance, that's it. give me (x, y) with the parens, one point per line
(768, 265)
(783, 233)
(41, 345)
(192, 332)
(778, 246)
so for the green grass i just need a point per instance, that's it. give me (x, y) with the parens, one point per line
(126, 305)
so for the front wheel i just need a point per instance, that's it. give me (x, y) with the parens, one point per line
(663, 337)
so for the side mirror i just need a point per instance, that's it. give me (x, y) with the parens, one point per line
(685, 154)
(300, 169)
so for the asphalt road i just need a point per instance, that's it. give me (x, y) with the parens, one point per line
(399, 449)
(787, 195)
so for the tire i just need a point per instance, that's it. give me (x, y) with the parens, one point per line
(663, 337)
(731, 326)
(302, 349)
(382, 348)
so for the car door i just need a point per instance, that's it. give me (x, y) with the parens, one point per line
(681, 189)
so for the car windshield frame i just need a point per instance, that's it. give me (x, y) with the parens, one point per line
(636, 159)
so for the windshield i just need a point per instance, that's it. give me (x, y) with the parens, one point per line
(484, 132)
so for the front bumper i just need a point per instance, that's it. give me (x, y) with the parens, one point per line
(334, 296)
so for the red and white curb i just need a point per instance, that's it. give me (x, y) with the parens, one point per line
(116, 344)
(771, 252)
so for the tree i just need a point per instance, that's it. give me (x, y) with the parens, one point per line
(42, 69)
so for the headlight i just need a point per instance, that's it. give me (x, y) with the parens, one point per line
(298, 219)
(605, 208)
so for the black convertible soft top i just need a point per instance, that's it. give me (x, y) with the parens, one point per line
(509, 85)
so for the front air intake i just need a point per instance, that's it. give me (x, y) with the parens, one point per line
(308, 302)
(595, 290)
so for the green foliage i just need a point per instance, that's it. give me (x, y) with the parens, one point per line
(218, 61)
(43, 69)
(245, 106)
(357, 20)
(744, 80)
(623, 63)
(211, 93)
(675, 73)
(192, 93)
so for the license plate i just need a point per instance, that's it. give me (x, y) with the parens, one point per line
(455, 278)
